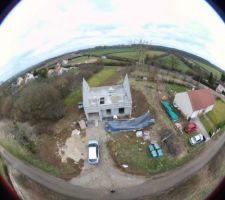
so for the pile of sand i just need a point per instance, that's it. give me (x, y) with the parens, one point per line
(74, 148)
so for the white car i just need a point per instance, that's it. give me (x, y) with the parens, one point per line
(93, 152)
(196, 139)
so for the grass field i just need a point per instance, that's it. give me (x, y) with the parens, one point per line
(94, 81)
(22, 154)
(215, 117)
(215, 72)
(130, 55)
(81, 59)
(134, 54)
(127, 149)
(107, 51)
(174, 88)
(166, 61)
(108, 62)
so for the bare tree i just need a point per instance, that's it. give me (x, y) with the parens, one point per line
(142, 48)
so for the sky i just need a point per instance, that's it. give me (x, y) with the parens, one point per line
(37, 30)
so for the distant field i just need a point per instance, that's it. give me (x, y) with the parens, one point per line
(134, 54)
(166, 61)
(81, 59)
(106, 51)
(94, 81)
(108, 62)
(215, 72)
(130, 55)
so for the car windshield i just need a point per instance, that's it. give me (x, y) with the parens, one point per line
(197, 138)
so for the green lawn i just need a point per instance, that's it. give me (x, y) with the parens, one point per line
(205, 121)
(174, 88)
(215, 117)
(127, 149)
(94, 81)
(215, 72)
(23, 154)
(166, 61)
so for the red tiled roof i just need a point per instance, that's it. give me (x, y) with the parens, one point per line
(200, 99)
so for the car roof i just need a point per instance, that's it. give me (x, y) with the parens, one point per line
(199, 136)
(92, 153)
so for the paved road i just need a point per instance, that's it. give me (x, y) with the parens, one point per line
(153, 185)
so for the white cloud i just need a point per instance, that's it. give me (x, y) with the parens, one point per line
(36, 30)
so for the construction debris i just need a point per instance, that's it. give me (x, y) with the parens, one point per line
(75, 132)
(139, 133)
(146, 135)
(125, 166)
(82, 124)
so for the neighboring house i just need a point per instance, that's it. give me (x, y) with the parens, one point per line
(19, 81)
(64, 62)
(107, 101)
(28, 77)
(58, 70)
(50, 72)
(194, 102)
(221, 88)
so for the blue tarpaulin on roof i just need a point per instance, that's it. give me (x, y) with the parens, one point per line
(130, 124)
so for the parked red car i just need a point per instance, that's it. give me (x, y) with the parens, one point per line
(191, 127)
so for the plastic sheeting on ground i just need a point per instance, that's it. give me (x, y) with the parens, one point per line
(129, 124)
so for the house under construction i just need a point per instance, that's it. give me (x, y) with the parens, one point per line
(105, 102)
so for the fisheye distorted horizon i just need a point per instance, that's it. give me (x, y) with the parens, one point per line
(38, 30)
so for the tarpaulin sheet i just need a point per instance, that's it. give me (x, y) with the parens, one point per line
(130, 124)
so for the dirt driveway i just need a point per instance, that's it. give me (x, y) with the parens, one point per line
(105, 174)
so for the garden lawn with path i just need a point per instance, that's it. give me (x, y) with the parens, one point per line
(216, 118)
(126, 148)
(174, 88)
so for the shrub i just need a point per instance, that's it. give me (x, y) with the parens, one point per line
(42, 72)
(22, 138)
(6, 107)
(63, 84)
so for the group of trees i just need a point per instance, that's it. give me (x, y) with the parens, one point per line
(39, 101)
(42, 99)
